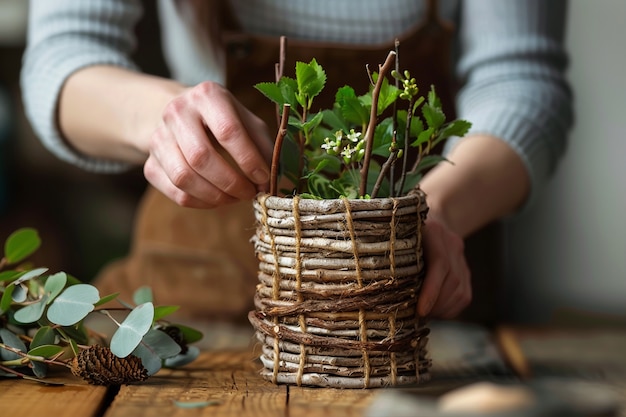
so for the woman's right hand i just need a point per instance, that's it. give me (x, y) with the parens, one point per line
(208, 149)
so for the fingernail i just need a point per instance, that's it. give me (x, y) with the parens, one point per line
(260, 176)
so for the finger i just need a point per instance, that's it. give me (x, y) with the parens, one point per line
(454, 296)
(213, 197)
(186, 128)
(224, 120)
(437, 267)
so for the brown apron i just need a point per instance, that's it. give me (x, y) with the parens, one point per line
(202, 260)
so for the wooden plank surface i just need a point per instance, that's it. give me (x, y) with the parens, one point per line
(22, 398)
(228, 384)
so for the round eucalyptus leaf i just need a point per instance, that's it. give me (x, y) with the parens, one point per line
(161, 343)
(10, 339)
(73, 304)
(143, 295)
(32, 312)
(149, 359)
(40, 369)
(131, 331)
(21, 244)
(182, 358)
(20, 293)
(33, 273)
(55, 284)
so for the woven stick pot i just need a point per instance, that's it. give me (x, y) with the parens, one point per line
(337, 295)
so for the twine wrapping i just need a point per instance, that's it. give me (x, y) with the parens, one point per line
(336, 301)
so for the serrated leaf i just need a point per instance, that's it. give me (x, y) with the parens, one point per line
(21, 244)
(54, 285)
(310, 77)
(434, 116)
(32, 312)
(73, 304)
(182, 359)
(164, 311)
(352, 108)
(132, 329)
(10, 339)
(271, 91)
(143, 295)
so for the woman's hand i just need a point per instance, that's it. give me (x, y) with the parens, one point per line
(447, 288)
(208, 150)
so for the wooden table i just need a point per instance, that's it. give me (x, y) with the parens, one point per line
(225, 381)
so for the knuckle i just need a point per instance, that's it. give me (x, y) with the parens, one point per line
(174, 109)
(198, 157)
(181, 177)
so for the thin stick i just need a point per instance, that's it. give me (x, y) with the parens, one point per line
(278, 144)
(279, 68)
(369, 134)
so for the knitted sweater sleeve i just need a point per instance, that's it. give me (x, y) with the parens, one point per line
(63, 37)
(512, 68)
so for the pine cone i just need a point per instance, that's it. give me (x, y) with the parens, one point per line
(99, 366)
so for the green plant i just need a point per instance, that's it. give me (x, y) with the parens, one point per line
(42, 323)
(351, 150)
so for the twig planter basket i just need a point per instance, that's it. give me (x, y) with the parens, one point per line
(336, 301)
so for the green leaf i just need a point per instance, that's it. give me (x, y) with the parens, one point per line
(54, 285)
(32, 312)
(164, 311)
(190, 335)
(46, 351)
(131, 331)
(149, 359)
(7, 298)
(310, 77)
(143, 295)
(288, 88)
(271, 91)
(423, 137)
(6, 276)
(73, 304)
(10, 339)
(433, 115)
(21, 244)
(429, 161)
(455, 128)
(388, 95)
(352, 108)
(106, 299)
(44, 336)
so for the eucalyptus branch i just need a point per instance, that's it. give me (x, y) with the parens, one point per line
(278, 144)
(27, 358)
(369, 134)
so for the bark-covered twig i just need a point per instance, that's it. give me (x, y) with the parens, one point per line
(369, 134)
(278, 144)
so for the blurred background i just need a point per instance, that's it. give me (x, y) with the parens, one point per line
(565, 258)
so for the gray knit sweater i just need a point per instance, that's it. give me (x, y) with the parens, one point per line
(510, 59)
